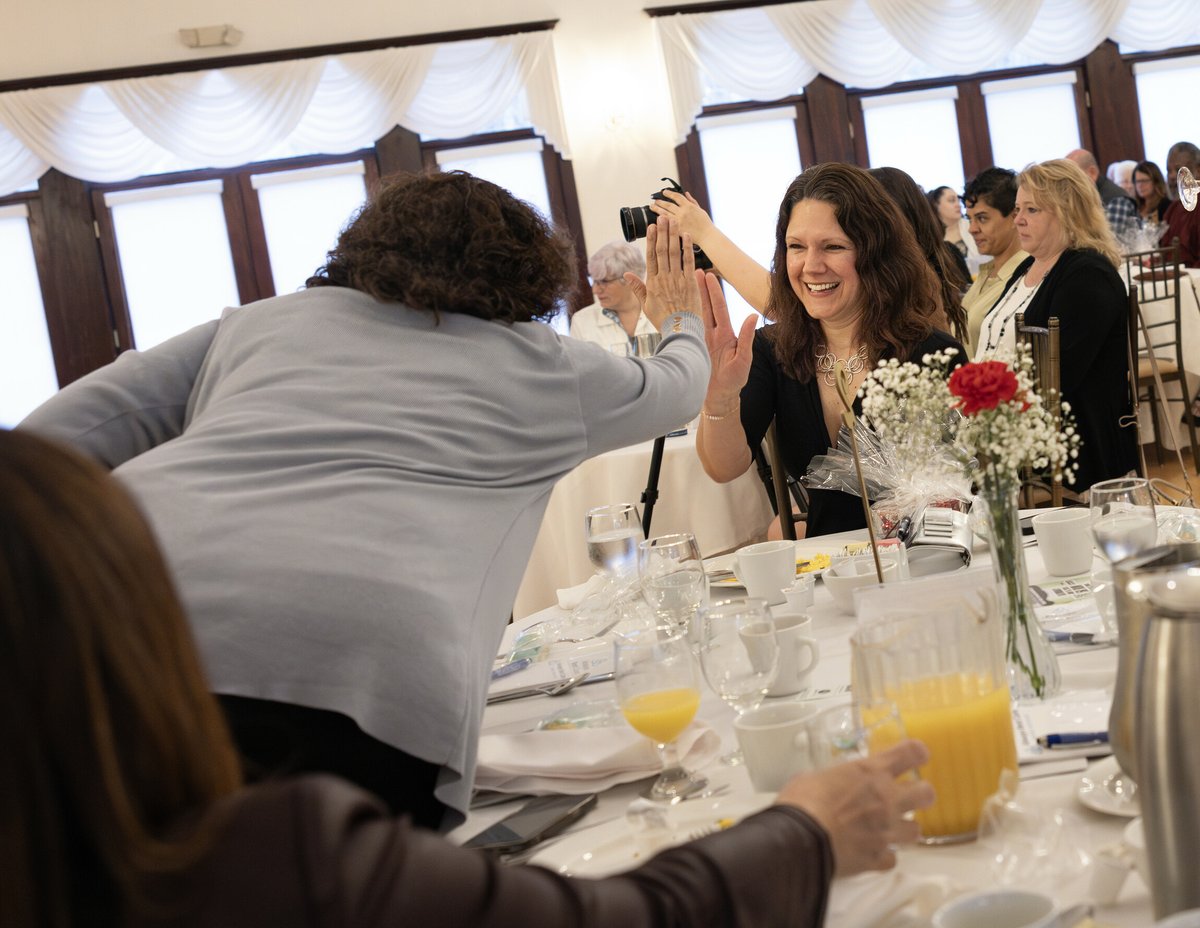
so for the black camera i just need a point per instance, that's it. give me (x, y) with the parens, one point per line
(636, 219)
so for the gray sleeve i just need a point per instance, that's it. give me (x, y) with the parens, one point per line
(138, 401)
(627, 400)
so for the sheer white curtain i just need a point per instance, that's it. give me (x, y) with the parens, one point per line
(120, 129)
(769, 52)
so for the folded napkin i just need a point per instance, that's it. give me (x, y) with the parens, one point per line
(581, 760)
(886, 900)
(572, 596)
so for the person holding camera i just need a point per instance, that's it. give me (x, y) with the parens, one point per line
(616, 319)
(123, 803)
(850, 284)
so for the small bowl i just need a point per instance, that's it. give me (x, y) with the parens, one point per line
(1001, 908)
(843, 578)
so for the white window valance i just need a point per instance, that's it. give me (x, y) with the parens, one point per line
(115, 130)
(764, 53)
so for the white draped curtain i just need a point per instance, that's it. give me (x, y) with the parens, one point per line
(764, 53)
(116, 130)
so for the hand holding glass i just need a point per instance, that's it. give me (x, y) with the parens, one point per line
(659, 694)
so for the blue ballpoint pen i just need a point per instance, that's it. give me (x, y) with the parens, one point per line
(1073, 739)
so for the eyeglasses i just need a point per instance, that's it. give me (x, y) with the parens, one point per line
(1143, 182)
(607, 281)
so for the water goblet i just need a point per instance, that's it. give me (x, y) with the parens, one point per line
(853, 731)
(673, 579)
(613, 533)
(1123, 521)
(659, 694)
(1189, 188)
(739, 655)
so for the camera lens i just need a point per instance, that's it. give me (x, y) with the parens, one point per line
(634, 220)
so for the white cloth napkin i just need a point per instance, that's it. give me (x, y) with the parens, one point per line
(886, 900)
(581, 760)
(572, 596)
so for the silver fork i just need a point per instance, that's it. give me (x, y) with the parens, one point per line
(557, 688)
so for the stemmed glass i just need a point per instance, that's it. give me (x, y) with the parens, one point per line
(673, 579)
(613, 533)
(1189, 188)
(739, 655)
(850, 731)
(1123, 524)
(659, 694)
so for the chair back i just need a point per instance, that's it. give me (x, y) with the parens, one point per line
(1154, 275)
(1045, 347)
(785, 491)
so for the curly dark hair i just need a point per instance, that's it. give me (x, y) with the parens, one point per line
(931, 238)
(998, 185)
(901, 295)
(453, 243)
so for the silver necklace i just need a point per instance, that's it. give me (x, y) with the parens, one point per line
(827, 362)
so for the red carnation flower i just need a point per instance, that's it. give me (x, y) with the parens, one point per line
(983, 385)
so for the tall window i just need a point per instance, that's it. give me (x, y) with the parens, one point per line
(1167, 92)
(745, 201)
(303, 211)
(1031, 118)
(174, 254)
(918, 133)
(27, 375)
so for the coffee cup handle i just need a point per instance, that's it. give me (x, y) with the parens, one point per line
(814, 652)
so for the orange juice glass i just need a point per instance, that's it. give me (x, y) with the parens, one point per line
(944, 670)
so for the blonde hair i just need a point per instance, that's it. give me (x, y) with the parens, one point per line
(1061, 188)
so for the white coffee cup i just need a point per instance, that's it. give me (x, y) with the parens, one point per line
(766, 569)
(798, 652)
(1000, 908)
(1064, 538)
(774, 739)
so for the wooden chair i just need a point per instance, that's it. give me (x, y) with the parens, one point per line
(1154, 276)
(781, 485)
(1044, 344)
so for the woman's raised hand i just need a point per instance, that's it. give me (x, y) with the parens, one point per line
(671, 285)
(683, 208)
(730, 354)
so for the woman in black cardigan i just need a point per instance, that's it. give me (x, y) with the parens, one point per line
(1072, 275)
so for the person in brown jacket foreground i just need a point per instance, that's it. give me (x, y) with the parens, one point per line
(123, 806)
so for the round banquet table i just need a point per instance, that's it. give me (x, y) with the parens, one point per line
(963, 866)
(721, 515)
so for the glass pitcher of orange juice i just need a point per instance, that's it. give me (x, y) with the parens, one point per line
(942, 664)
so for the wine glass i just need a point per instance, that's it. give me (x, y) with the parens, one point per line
(673, 579)
(1189, 188)
(852, 731)
(739, 655)
(1123, 521)
(613, 533)
(659, 694)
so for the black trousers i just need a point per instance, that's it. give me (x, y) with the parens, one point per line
(277, 739)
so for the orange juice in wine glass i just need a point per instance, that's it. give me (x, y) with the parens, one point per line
(659, 693)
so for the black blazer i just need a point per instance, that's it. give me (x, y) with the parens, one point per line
(1086, 294)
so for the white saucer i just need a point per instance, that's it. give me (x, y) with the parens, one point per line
(612, 846)
(805, 550)
(1093, 793)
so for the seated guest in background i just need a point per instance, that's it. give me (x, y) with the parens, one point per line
(1121, 174)
(849, 283)
(347, 481)
(947, 208)
(1072, 274)
(943, 257)
(616, 318)
(1119, 207)
(1150, 191)
(990, 197)
(1181, 223)
(123, 802)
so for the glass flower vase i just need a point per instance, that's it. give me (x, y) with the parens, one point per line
(1032, 665)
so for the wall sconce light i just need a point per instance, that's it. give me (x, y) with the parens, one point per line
(209, 36)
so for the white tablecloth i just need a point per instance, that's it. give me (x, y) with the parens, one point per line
(721, 516)
(963, 865)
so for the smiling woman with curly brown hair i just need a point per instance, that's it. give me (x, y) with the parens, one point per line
(347, 481)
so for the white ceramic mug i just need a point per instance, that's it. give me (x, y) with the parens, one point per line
(1064, 538)
(1000, 908)
(774, 739)
(798, 652)
(766, 569)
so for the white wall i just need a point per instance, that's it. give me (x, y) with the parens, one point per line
(613, 85)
